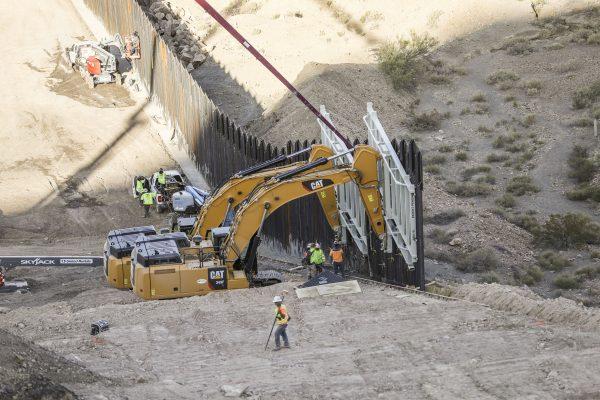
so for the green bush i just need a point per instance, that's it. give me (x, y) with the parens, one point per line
(444, 217)
(566, 281)
(594, 38)
(581, 122)
(529, 120)
(494, 158)
(435, 160)
(487, 178)
(535, 272)
(551, 261)
(516, 148)
(568, 231)
(504, 140)
(586, 97)
(527, 222)
(501, 76)
(461, 156)
(584, 193)
(483, 259)
(403, 61)
(588, 272)
(506, 201)
(468, 189)
(425, 121)
(478, 98)
(521, 185)
(470, 172)
(582, 167)
(484, 129)
(432, 169)
(445, 149)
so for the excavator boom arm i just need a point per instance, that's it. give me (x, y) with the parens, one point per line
(276, 193)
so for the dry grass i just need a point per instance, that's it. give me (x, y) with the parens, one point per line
(586, 97)
(568, 231)
(444, 217)
(551, 261)
(478, 98)
(480, 260)
(582, 166)
(501, 76)
(566, 281)
(425, 121)
(494, 158)
(506, 201)
(440, 236)
(468, 189)
(470, 172)
(461, 156)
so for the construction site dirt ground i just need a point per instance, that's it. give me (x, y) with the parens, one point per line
(66, 162)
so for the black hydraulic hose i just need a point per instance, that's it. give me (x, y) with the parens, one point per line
(303, 168)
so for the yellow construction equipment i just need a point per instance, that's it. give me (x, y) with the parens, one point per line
(164, 271)
(225, 199)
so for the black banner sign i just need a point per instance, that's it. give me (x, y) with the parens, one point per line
(65, 261)
(217, 278)
(317, 184)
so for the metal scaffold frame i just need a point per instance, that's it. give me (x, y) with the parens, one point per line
(351, 209)
(397, 190)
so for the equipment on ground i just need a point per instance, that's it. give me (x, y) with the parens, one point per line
(227, 260)
(99, 326)
(117, 254)
(174, 183)
(95, 62)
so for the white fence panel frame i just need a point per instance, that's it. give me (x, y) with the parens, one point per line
(397, 191)
(350, 206)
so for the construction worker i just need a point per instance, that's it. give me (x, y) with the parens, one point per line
(161, 179)
(306, 258)
(337, 256)
(317, 258)
(1, 279)
(147, 201)
(281, 319)
(140, 187)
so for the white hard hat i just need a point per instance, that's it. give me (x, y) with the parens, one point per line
(277, 299)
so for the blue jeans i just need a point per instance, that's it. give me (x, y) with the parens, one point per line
(280, 332)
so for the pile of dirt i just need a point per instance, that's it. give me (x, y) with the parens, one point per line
(525, 302)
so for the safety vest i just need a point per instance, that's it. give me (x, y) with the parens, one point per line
(317, 257)
(139, 186)
(162, 178)
(281, 315)
(337, 255)
(148, 198)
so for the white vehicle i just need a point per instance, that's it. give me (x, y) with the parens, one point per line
(175, 182)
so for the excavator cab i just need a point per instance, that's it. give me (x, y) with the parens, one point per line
(117, 254)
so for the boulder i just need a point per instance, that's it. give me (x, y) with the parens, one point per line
(456, 242)
(233, 390)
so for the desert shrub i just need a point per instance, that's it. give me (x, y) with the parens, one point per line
(533, 85)
(586, 97)
(487, 178)
(440, 255)
(425, 121)
(595, 254)
(529, 120)
(535, 272)
(594, 38)
(490, 277)
(478, 98)
(445, 149)
(588, 272)
(527, 222)
(501, 76)
(595, 113)
(440, 236)
(568, 231)
(444, 217)
(506, 201)
(516, 148)
(494, 158)
(518, 46)
(585, 192)
(551, 261)
(403, 61)
(521, 185)
(484, 129)
(468, 189)
(508, 99)
(503, 140)
(461, 156)
(566, 281)
(432, 169)
(480, 260)
(582, 167)
(470, 172)
(481, 108)
(581, 122)
(435, 160)
(465, 111)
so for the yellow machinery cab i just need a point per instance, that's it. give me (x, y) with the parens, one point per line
(117, 254)
(161, 270)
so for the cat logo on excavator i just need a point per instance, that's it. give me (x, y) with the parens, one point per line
(317, 184)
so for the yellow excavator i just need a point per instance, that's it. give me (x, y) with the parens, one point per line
(231, 194)
(164, 271)
(121, 242)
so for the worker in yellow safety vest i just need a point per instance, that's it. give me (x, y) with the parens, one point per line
(140, 188)
(281, 318)
(161, 179)
(147, 201)
(317, 258)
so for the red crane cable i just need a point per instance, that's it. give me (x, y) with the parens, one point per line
(219, 18)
